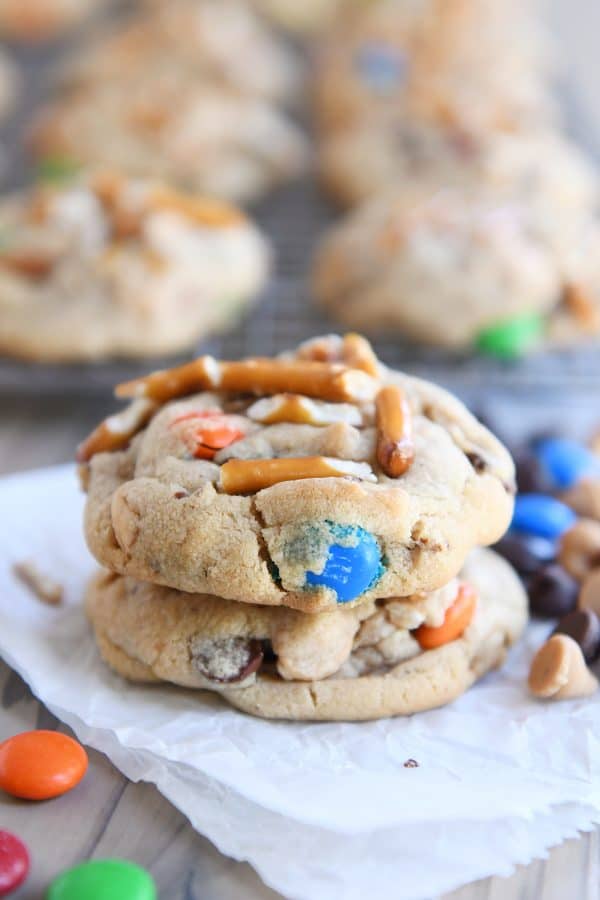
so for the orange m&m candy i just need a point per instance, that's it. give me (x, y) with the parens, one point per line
(211, 431)
(38, 765)
(457, 618)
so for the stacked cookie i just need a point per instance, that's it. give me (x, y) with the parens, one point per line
(300, 535)
(206, 86)
(476, 217)
(107, 265)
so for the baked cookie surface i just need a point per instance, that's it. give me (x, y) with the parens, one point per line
(361, 663)
(111, 266)
(376, 155)
(430, 60)
(221, 41)
(200, 137)
(318, 479)
(445, 267)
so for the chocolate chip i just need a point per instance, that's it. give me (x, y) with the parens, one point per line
(477, 461)
(552, 592)
(532, 478)
(227, 660)
(411, 764)
(526, 552)
(583, 626)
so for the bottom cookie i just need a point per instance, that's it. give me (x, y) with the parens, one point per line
(363, 663)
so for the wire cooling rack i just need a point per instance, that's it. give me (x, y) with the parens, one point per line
(294, 217)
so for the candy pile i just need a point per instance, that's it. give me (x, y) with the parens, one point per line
(437, 126)
(41, 765)
(554, 544)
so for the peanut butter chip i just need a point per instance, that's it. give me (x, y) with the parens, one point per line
(558, 671)
(580, 548)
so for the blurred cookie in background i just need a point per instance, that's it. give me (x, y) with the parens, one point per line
(377, 155)
(303, 18)
(34, 21)
(109, 266)
(461, 269)
(202, 138)
(474, 64)
(218, 40)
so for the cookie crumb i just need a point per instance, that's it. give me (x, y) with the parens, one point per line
(45, 589)
(411, 764)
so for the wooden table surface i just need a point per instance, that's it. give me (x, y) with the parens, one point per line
(109, 816)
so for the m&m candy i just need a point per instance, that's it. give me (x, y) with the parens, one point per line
(103, 879)
(38, 765)
(541, 515)
(14, 862)
(565, 461)
(350, 568)
(511, 338)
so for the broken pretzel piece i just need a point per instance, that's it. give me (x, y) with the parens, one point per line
(324, 381)
(45, 588)
(301, 410)
(358, 353)
(248, 476)
(395, 448)
(116, 431)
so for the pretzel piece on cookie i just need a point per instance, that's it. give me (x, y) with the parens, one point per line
(324, 381)
(395, 448)
(116, 431)
(301, 410)
(248, 476)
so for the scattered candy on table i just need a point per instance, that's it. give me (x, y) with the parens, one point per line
(583, 626)
(589, 596)
(579, 550)
(541, 515)
(559, 672)
(103, 879)
(512, 338)
(38, 765)
(526, 552)
(566, 462)
(552, 592)
(14, 862)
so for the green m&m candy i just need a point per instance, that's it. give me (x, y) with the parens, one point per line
(512, 337)
(103, 879)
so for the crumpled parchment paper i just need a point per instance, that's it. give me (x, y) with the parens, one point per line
(320, 810)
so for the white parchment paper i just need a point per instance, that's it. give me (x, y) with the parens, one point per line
(320, 810)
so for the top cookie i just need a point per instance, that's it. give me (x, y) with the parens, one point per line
(318, 478)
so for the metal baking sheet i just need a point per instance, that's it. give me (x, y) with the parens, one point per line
(294, 217)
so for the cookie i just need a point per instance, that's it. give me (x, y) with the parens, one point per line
(307, 18)
(353, 664)
(430, 60)
(204, 138)
(30, 21)
(378, 155)
(339, 482)
(450, 267)
(107, 266)
(220, 41)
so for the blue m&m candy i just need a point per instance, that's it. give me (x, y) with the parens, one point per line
(382, 67)
(353, 564)
(541, 515)
(566, 461)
